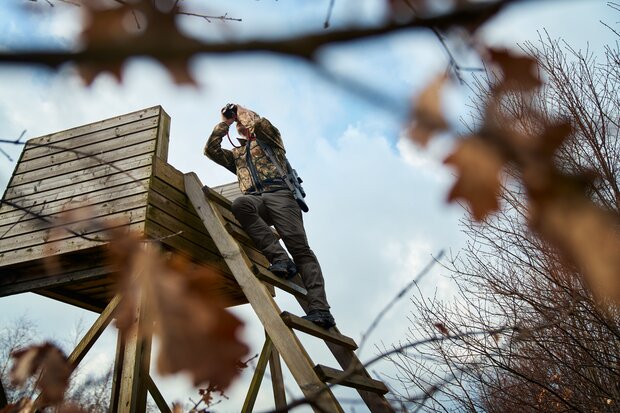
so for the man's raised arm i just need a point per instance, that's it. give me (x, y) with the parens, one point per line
(214, 150)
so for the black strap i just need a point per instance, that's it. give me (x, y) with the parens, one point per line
(272, 157)
(253, 172)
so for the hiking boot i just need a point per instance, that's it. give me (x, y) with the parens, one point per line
(284, 269)
(322, 318)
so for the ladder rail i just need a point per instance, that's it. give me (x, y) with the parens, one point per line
(284, 340)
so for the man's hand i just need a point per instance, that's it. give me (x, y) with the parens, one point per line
(229, 121)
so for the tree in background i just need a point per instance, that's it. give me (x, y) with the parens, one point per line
(564, 354)
(90, 392)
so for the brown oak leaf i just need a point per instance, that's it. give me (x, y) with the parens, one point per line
(588, 236)
(478, 176)
(553, 137)
(442, 328)
(51, 366)
(427, 115)
(518, 72)
(142, 27)
(71, 408)
(196, 332)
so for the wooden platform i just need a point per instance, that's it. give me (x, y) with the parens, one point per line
(69, 186)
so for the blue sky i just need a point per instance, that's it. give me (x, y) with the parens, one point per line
(377, 203)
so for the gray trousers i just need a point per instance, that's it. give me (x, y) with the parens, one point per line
(257, 213)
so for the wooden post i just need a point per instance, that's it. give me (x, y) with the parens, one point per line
(157, 396)
(117, 373)
(277, 381)
(289, 346)
(94, 332)
(136, 359)
(257, 378)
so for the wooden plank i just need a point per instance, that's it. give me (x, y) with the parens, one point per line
(309, 327)
(332, 375)
(66, 245)
(77, 300)
(117, 373)
(136, 359)
(168, 174)
(103, 154)
(163, 135)
(286, 285)
(169, 192)
(61, 264)
(263, 304)
(92, 287)
(175, 203)
(190, 223)
(171, 239)
(171, 216)
(104, 296)
(36, 150)
(94, 332)
(12, 215)
(84, 216)
(277, 381)
(217, 198)
(137, 167)
(93, 234)
(95, 126)
(135, 178)
(20, 286)
(345, 357)
(231, 290)
(158, 398)
(257, 378)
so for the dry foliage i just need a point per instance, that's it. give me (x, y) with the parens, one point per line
(48, 364)
(523, 146)
(546, 261)
(185, 309)
(178, 301)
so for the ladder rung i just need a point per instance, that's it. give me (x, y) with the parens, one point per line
(289, 286)
(309, 327)
(328, 374)
(240, 235)
(237, 233)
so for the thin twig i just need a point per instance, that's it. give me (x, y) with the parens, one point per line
(398, 296)
(6, 155)
(330, 8)
(304, 46)
(223, 17)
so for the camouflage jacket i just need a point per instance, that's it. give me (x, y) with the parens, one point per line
(235, 160)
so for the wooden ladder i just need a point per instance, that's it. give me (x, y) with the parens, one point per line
(280, 337)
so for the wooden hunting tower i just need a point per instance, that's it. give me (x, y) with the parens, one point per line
(70, 187)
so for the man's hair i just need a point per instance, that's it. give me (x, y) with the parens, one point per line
(246, 118)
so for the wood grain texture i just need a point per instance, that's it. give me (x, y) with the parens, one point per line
(264, 306)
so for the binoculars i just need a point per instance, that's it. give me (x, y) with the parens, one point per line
(229, 111)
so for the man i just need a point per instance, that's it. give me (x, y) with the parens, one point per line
(267, 201)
